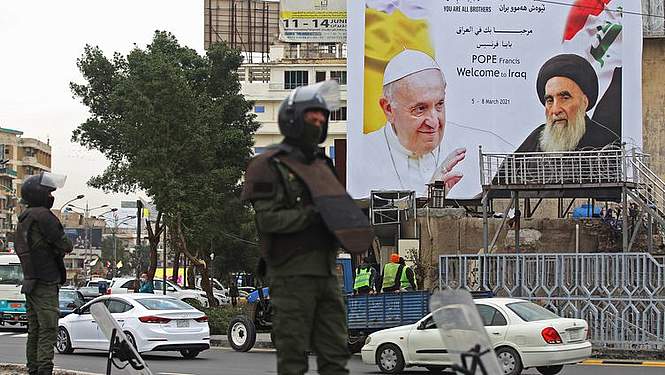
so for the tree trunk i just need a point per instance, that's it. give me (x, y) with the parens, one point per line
(154, 238)
(176, 265)
(199, 264)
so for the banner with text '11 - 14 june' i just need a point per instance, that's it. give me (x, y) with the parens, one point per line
(432, 80)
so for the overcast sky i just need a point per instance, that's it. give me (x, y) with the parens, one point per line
(40, 41)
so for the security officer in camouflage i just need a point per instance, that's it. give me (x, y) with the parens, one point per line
(293, 189)
(41, 245)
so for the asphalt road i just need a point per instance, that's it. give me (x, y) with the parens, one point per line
(225, 361)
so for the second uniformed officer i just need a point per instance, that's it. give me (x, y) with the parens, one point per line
(303, 214)
(41, 245)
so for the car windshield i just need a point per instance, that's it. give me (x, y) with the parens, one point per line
(68, 294)
(11, 274)
(530, 312)
(163, 304)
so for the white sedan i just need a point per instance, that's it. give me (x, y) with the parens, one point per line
(151, 322)
(523, 335)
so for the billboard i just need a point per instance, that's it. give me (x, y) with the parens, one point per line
(80, 239)
(437, 79)
(318, 21)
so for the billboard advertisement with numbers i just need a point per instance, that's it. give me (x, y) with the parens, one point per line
(317, 21)
(432, 81)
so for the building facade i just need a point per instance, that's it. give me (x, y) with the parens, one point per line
(20, 158)
(268, 84)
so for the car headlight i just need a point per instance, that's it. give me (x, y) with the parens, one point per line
(368, 340)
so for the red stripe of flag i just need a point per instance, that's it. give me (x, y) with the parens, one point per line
(579, 14)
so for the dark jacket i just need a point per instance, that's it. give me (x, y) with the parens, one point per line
(41, 245)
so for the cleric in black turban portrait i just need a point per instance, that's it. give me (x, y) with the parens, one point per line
(567, 86)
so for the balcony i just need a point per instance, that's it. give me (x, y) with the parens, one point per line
(8, 172)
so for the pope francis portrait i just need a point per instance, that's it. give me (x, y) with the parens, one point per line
(405, 153)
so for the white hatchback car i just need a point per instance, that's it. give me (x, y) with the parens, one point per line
(151, 323)
(523, 335)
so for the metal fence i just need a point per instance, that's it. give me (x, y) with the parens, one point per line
(620, 295)
(543, 168)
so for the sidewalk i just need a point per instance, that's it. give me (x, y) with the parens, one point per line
(16, 369)
(262, 341)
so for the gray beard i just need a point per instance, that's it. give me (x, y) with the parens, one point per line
(557, 138)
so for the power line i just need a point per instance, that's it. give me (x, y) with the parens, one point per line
(597, 7)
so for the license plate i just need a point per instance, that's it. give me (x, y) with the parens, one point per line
(15, 305)
(182, 323)
(575, 335)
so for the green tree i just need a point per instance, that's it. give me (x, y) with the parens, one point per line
(173, 124)
(107, 249)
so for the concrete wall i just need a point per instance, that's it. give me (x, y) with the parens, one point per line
(450, 231)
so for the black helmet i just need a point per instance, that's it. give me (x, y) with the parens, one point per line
(35, 189)
(323, 96)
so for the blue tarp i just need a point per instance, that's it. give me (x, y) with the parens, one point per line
(586, 210)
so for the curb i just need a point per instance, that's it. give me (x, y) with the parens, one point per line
(224, 343)
(622, 362)
(15, 368)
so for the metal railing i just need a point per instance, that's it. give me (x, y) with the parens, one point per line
(547, 168)
(620, 295)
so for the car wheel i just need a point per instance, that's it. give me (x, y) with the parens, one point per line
(389, 358)
(241, 333)
(131, 340)
(509, 360)
(435, 369)
(549, 370)
(189, 353)
(63, 343)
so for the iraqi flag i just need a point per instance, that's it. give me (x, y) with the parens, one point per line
(593, 30)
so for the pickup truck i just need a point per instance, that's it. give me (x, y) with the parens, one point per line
(94, 288)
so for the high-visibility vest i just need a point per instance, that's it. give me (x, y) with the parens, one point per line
(404, 281)
(362, 278)
(389, 274)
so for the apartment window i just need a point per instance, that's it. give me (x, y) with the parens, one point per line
(295, 78)
(259, 109)
(338, 115)
(339, 76)
(320, 76)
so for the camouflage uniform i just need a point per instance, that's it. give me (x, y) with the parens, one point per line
(41, 245)
(309, 311)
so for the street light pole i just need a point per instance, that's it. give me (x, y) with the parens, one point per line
(88, 242)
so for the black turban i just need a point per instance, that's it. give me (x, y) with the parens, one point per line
(570, 66)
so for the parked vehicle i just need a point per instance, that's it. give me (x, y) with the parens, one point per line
(69, 300)
(124, 285)
(12, 302)
(216, 285)
(523, 334)
(94, 288)
(151, 323)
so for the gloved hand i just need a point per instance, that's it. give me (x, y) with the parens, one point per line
(445, 171)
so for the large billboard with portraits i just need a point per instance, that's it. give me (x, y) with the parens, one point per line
(431, 81)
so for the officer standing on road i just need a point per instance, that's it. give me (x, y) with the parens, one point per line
(41, 245)
(365, 278)
(303, 215)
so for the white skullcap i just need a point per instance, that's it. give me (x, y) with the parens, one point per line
(406, 63)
